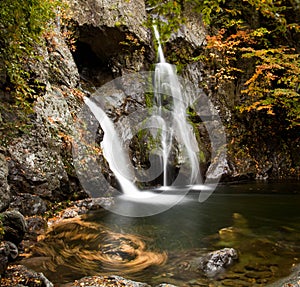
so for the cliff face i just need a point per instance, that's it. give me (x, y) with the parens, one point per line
(113, 41)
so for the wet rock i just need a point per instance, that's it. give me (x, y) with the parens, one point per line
(81, 207)
(5, 195)
(4, 253)
(109, 281)
(19, 275)
(215, 263)
(293, 280)
(14, 226)
(28, 204)
(8, 253)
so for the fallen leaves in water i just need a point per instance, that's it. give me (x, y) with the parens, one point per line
(91, 248)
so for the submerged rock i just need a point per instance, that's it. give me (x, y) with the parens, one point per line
(215, 263)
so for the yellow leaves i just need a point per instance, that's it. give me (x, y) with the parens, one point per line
(259, 106)
(265, 107)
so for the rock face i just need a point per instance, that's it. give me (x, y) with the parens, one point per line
(40, 161)
(114, 32)
(36, 163)
(5, 195)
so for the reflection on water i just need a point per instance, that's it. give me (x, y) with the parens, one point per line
(264, 228)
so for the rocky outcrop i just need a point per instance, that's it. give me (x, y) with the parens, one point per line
(40, 161)
(112, 31)
(37, 163)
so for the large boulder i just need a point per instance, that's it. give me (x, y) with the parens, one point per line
(120, 14)
(14, 226)
(214, 263)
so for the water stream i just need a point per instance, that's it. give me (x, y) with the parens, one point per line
(260, 220)
(169, 113)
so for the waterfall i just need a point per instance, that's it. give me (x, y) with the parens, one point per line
(168, 92)
(112, 150)
(169, 112)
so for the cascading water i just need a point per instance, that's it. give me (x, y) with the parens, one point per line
(167, 84)
(113, 150)
(169, 112)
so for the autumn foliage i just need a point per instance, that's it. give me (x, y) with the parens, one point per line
(267, 43)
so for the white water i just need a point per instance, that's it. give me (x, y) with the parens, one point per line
(160, 50)
(170, 114)
(168, 85)
(113, 151)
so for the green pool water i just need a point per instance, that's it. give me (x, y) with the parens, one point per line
(260, 220)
